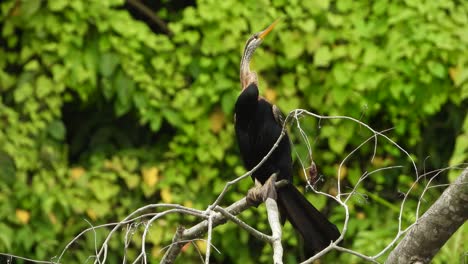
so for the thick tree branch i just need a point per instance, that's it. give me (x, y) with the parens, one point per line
(436, 226)
(217, 218)
(274, 220)
(181, 237)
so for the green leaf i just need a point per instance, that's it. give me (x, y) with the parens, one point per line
(336, 144)
(103, 190)
(24, 91)
(108, 90)
(56, 5)
(172, 117)
(335, 20)
(344, 5)
(437, 69)
(340, 95)
(227, 102)
(33, 65)
(59, 73)
(57, 130)
(30, 7)
(288, 104)
(322, 56)
(155, 122)
(108, 63)
(341, 74)
(43, 86)
(371, 55)
(124, 87)
(460, 153)
(7, 167)
(293, 47)
(308, 25)
(6, 236)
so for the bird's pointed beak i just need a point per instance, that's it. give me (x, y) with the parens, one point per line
(265, 32)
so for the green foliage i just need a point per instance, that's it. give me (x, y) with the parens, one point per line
(100, 115)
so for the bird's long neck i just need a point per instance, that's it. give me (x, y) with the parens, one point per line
(244, 70)
(246, 76)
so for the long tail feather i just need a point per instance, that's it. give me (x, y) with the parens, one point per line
(313, 226)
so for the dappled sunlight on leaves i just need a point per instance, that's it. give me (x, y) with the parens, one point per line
(101, 112)
(23, 216)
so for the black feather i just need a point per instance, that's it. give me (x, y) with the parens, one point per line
(258, 126)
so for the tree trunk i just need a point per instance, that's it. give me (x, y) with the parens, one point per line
(436, 226)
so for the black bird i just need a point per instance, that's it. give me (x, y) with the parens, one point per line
(258, 125)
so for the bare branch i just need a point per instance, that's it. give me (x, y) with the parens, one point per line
(435, 227)
(202, 228)
(215, 215)
(151, 15)
(274, 220)
(210, 231)
(177, 208)
(259, 235)
(11, 256)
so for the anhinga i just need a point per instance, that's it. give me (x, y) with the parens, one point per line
(258, 125)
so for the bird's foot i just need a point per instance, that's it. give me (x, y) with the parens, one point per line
(254, 196)
(260, 193)
(270, 188)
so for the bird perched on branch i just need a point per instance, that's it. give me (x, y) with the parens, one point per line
(258, 125)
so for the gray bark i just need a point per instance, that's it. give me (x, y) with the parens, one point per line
(183, 236)
(436, 226)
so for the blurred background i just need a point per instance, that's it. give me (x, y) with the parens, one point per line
(110, 105)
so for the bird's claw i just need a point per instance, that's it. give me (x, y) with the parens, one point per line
(260, 193)
(270, 188)
(254, 196)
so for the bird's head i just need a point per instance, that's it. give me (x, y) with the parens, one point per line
(246, 76)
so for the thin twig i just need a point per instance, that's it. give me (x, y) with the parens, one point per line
(254, 232)
(28, 259)
(139, 210)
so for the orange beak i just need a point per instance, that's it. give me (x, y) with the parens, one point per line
(265, 32)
